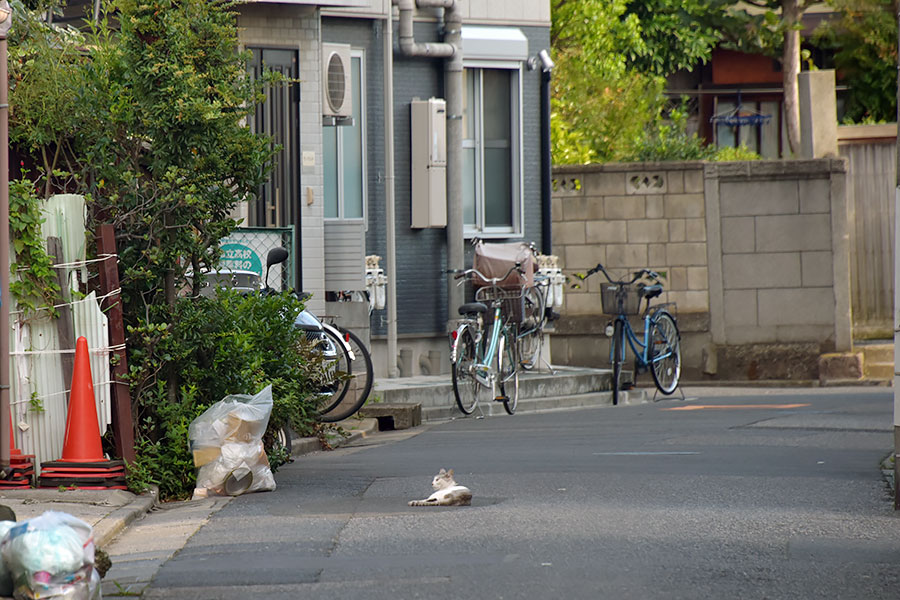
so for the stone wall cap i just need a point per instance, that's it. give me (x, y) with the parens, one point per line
(788, 167)
(616, 167)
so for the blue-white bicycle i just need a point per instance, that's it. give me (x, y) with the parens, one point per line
(484, 350)
(659, 349)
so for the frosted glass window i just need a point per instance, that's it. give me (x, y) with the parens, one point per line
(330, 166)
(725, 134)
(497, 205)
(769, 130)
(491, 152)
(344, 161)
(468, 190)
(352, 155)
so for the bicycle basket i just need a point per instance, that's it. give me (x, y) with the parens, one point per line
(513, 300)
(610, 295)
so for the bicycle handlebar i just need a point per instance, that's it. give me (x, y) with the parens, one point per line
(460, 273)
(637, 275)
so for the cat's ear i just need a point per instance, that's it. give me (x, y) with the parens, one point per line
(442, 472)
(450, 472)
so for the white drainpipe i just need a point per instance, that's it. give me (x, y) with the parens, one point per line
(393, 371)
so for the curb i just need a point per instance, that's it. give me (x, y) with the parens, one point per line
(115, 522)
(355, 429)
(110, 526)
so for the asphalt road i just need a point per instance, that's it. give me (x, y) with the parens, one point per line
(769, 495)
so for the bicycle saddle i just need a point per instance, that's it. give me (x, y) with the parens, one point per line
(651, 291)
(472, 308)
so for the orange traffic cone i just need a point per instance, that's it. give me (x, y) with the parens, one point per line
(82, 441)
(82, 464)
(13, 451)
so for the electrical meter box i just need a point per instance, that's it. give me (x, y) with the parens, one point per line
(429, 163)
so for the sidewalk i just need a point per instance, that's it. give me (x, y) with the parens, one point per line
(109, 512)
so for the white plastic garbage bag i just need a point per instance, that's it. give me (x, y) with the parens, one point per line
(226, 441)
(51, 556)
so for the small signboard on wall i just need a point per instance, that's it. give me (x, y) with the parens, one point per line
(246, 249)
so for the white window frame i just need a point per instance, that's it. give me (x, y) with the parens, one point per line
(516, 163)
(354, 54)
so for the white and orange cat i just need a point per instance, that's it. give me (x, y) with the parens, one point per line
(448, 492)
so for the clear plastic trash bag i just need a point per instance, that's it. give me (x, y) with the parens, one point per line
(226, 441)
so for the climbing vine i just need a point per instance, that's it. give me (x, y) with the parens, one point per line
(33, 283)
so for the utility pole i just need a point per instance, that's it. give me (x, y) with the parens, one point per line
(897, 296)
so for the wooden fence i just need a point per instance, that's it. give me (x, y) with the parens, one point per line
(871, 183)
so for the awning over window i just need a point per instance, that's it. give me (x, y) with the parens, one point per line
(494, 43)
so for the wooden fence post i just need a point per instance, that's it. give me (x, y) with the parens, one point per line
(123, 419)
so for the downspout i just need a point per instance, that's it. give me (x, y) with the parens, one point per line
(451, 50)
(546, 155)
(391, 262)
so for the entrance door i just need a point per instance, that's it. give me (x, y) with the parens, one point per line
(278, 117)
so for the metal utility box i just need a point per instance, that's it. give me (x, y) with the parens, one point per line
(429, 162)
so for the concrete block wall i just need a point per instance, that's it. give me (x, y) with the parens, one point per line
(755, 254)
(630, 217)
(782, 272)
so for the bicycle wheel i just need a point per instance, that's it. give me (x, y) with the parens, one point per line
(337, 370)
(358, 385)
(665, 343)
(466, 388)
(617, 357)
(508, 368)
(529, 340)
(283, 436)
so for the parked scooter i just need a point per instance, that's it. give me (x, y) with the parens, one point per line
(345, 354)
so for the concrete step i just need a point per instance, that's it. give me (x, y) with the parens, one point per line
(536, 405)
(566, 387)
(878, 359)
(878, 370)
(881, 351)
(437, 390)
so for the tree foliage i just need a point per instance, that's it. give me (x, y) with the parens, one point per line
(864, 40)
(676, 34)
(147, 121)
(608, 100)
(607, 87)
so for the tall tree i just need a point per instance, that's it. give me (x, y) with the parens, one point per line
(789, 26)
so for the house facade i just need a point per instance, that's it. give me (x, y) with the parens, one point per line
(370, 162)
(738, 98)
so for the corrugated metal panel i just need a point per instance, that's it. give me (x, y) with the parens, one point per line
(37, 378)
(870, 192)
(39, 393)
(36, 371)
(91, 323)
(345, 255)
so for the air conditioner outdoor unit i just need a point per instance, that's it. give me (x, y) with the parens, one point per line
(337, 97)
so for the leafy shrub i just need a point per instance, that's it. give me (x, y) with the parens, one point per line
(726, 153)
(668, 139)
(229, 344)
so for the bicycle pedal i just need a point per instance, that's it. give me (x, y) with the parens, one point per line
(501, 399)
